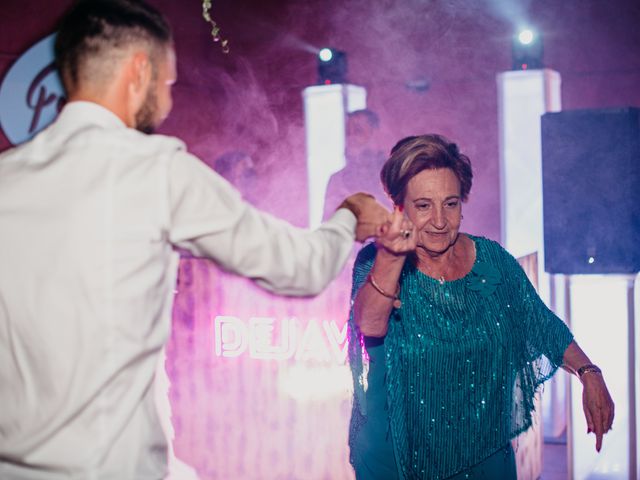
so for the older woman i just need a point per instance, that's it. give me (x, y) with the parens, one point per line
(457, 338)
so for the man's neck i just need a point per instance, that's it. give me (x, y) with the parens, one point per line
(107, 100)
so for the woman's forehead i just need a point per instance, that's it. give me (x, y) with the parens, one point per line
(438, 182)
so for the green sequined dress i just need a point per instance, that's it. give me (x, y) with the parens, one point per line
(456, 376)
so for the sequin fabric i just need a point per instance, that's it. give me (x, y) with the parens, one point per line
(463, 361)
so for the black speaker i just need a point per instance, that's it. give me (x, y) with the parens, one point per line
(591, 191)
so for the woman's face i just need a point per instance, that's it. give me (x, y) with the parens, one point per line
(433, 204)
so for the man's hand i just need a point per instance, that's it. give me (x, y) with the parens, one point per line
(370, 214)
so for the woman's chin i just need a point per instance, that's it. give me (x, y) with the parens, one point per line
(435, 248)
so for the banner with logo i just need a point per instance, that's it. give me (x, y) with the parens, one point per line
(31, 94)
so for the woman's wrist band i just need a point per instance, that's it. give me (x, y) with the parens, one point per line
(588, 368)
(395, 297)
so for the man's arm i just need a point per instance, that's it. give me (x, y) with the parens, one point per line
(209, 218)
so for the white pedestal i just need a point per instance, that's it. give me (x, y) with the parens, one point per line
(602, 319)
(325, 108)
(523, 97)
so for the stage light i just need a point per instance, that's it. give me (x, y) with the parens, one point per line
(325, 54)
(527, 50)
(332, 66)
(526, 37)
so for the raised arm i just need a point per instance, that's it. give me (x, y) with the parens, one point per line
(209, 218)
(377, 296)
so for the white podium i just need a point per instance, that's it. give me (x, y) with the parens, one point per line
(602, 311)
(325, 109)
(523, 97)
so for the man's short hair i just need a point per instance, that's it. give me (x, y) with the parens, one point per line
(92, 30)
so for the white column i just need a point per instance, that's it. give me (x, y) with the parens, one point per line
(523, 97)
(325, 108)
(602, 319)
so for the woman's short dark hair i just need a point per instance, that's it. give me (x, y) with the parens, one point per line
(92, 30)
(412, 155)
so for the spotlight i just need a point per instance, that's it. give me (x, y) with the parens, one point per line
(325, 54)
(527, 50)
(332, 66)
(526, 37)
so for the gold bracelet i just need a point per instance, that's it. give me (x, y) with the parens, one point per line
(395, 297)
(588, 368)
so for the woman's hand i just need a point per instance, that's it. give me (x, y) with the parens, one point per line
(597, 404)
(376, 298)
(398, 236)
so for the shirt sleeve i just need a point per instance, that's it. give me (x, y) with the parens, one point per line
(209, 218)
(545, 333)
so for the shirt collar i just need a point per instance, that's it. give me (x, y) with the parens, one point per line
(90, 113)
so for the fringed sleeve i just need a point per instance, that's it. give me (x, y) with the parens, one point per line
(361, 268)
(547, 336)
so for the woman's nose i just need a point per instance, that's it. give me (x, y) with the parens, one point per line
(438, 219)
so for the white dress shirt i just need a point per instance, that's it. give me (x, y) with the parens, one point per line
(89, 212)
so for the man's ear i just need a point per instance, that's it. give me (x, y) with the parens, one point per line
(140, 73)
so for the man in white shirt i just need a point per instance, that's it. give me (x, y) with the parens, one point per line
(90, 211)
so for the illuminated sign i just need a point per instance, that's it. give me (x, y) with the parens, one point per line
(31, 94)
(266, 338)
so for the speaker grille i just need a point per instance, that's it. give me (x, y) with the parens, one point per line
(591, 191)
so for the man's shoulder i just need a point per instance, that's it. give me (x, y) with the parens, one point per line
(126, 141)
(158, 141)
(95, 140)
(82, 123)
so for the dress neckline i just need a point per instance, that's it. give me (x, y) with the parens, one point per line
(436, 281)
